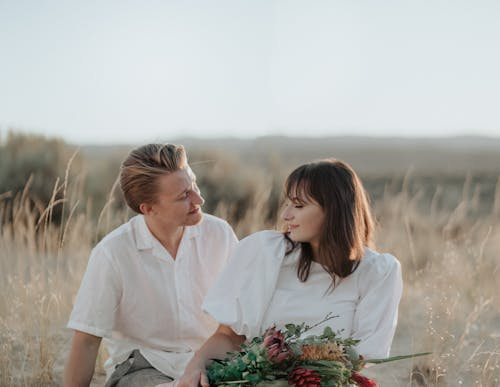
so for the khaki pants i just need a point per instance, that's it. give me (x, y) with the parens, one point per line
(136, 372)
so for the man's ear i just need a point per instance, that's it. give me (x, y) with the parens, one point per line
(146, 208)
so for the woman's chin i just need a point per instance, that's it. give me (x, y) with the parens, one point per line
(295, 238)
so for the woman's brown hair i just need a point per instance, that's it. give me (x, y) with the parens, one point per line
(348, 226)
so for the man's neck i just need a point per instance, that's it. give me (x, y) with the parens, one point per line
(170, 238)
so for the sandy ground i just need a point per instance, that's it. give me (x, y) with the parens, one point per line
(98, 381)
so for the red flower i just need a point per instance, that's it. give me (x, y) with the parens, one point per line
(304, 377)
(362, 381)
(277, 349)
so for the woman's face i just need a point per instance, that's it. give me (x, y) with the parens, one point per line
(304, 219)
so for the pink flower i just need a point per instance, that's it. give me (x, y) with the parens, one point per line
(277, 349)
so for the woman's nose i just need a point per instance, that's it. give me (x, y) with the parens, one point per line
(287, 214)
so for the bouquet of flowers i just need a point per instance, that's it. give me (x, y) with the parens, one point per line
(282, 358)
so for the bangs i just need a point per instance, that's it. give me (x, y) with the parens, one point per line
(298, 186)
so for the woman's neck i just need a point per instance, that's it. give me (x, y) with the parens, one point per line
(315, 252)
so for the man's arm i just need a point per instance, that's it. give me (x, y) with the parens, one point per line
(83, 354)
(217, 346)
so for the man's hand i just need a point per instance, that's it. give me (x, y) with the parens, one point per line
(217, 346)
(80, 367)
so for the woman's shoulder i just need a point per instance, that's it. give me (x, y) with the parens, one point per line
(263, 244)
(265, 236)
(376, 262)
(376, 269)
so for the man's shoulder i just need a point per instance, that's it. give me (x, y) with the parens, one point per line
(212, 223)
(120, 236)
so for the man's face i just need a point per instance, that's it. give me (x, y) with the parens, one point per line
(178, 201)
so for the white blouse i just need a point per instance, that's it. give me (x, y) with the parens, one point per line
(259, 288)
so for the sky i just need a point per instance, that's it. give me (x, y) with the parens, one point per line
(124, 71)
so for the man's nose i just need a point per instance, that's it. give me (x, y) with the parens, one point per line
(196, 198)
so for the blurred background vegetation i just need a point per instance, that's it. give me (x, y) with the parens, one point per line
(231, 172)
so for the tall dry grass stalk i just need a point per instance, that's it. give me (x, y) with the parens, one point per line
(450, 304)
(41, 264)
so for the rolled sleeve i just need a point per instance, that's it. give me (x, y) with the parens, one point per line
(98, 297)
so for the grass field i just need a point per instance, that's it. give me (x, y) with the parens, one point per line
(444, 228)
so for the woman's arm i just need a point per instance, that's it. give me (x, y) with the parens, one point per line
(376, 315)
(217, 346)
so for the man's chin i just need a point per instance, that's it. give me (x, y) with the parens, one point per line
(195, 219)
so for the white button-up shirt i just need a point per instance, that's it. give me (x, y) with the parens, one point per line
(136, 296)
(259, 288)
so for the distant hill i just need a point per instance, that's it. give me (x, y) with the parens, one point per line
(368, 155)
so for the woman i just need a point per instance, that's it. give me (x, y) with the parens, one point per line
(320, 264)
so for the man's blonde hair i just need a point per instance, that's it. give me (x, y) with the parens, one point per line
(143, 166)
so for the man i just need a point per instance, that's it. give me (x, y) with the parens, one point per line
(145, 281)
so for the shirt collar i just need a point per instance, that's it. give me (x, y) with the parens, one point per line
(144, 239)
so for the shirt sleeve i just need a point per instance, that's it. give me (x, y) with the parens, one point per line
(231, 241)
(376, 314)
(98, 297)
(242, 292)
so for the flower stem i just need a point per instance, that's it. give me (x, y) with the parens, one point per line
(394, 358)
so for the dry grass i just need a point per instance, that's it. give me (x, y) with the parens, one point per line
(41, 264)
(450, 305)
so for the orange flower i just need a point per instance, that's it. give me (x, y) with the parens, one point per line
(325, 351)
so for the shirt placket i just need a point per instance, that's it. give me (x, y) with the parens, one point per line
(169, 280)
(182, 290)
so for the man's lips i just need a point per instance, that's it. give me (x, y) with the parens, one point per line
(194, 211)
(292, 227)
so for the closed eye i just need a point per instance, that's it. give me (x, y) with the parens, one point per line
(297, 203)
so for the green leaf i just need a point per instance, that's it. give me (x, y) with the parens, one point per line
(252, 356)
(253, 378)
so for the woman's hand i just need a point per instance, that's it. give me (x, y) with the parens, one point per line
(194, 378)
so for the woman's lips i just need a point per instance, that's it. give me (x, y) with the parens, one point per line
(194, 211)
